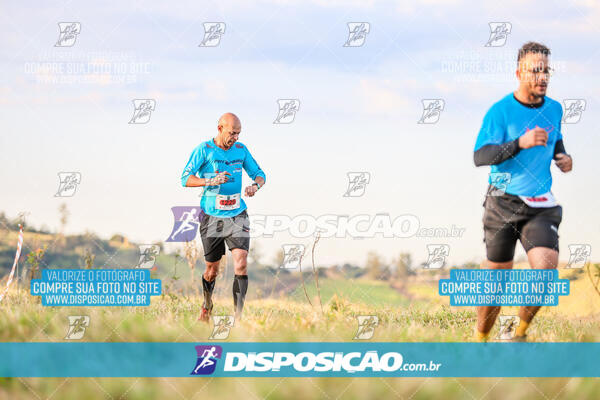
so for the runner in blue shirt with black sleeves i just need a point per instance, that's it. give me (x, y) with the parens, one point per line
(519, 138)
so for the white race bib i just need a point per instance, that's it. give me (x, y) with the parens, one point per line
(544, 200)
(227, 202)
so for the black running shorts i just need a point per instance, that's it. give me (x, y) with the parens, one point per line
(507, 218)
(215, 232)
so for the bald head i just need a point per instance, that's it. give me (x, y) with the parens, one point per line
(229, 119)
(229, 130)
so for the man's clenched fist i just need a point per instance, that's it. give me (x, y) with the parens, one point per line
(533, 137)
(564, 162)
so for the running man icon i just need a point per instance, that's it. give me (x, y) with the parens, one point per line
(207, 359)
(189, 222)
(206, 362)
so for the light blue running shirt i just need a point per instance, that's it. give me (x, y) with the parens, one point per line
(529, 169)
(206, 161)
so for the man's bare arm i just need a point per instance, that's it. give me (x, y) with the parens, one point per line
(220, 178)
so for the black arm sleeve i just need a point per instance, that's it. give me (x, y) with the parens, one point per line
(559, 147)
(492, 154)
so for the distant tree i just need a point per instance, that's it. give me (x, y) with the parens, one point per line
(403, 266)
(64, 213)
(160, 245)
(91, 236)
(333, 270)
(119, 240)
(376, 269)
(4, 225)
(352, 271)
(279, 258)
(4, 222)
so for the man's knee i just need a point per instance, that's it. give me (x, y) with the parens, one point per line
(240, 261)
(241, 267)
(212, 270)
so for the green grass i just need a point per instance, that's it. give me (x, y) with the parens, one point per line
(368, 292)
(174, 319)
